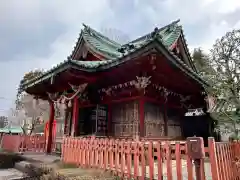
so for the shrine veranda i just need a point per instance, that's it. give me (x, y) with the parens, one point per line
(146, 88)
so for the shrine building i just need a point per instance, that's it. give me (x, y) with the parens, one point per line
(143, 89)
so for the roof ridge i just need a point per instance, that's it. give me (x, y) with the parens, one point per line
(145, 36)
(113, 43)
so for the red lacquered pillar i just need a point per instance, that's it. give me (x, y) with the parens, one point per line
(50, 127)
(75, 116)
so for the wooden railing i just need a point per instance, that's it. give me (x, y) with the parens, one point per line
(143, 159)
(227, 161)
(26, 143)
(23, 143)
(154, 159)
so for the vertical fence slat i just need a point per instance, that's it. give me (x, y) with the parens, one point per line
(129, 159)
(143, 160)
(111, 153)
(168, 160)
(122, 157)
(202, 168)
(189, 165)
(136, 159)
(150, 160)
(159, 159)
(225, 148)
(213, 159)
(230, 161)
(178, 161)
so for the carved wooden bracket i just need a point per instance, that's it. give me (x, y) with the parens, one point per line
(141, 83)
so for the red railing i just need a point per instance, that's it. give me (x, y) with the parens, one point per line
(11, 142)
(144, 159)
(34, 143)
(224, 160)
(23, 143)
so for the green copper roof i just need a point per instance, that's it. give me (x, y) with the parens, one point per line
(91, 64)
(115, 53)
(109, 49)
(167, 35)
(100, 44)
(11, 129)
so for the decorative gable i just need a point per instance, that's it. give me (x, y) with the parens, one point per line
(84, 53)
(180, 49)
(92, 44)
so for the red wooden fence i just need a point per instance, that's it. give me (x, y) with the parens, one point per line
(152, 159)
(23, 143)
(11, 142)
(225, 160)
(142, 159)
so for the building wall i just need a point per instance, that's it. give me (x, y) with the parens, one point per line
(174, 125)
(153, 120)
(125, 119)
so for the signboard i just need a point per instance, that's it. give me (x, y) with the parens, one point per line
(195, 147)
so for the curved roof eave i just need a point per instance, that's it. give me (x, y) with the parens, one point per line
(145, 49)
(179, 63)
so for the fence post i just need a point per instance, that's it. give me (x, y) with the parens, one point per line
(213, 158)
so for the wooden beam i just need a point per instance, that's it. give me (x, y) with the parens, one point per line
(161, 102)
(78, 76)
(120, 100)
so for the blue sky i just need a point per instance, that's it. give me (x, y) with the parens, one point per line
(42, 33)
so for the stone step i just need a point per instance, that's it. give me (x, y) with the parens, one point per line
(23, 166)
(12, 174)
